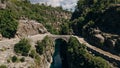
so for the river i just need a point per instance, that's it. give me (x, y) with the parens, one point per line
(57, 61)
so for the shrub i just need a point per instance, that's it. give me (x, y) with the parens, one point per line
(3, 66)
(37, 59)
(32, 54)
(22, 59)
(45, 44)
(14, 59)
(47, 41)
(39, 47)
(23, 47)
(8, 60)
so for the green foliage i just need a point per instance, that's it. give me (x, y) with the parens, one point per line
(47, 41)
(23, 47)
(22, 59)
(77, 25)
(37, 59)
(42, 46)
(3, 66)
(78, 57)
(65, 29)
(8, 25)
(101, 14)
(44, 14)
(14, 59)
(8, 60)
(39, 48)
(32, 54)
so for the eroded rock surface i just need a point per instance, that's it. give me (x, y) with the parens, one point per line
(30, 27)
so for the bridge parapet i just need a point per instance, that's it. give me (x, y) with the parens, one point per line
(64, 37)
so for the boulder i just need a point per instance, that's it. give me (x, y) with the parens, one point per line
(96, 31)
(111, 43)
(98, 39)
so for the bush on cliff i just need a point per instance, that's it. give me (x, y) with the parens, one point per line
(39, 48)
(23, 47)
(44, 45)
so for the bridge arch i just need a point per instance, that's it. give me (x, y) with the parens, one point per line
(59, 54)
(57, 37)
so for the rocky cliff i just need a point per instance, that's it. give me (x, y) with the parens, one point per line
(30, 27)
(38, 61)
(106, 41)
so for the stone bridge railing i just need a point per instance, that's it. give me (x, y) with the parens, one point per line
(64, 37)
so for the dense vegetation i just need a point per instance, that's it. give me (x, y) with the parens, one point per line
(54, 19)
(39, 47)
(23, 47)
(78, 57)
(8, 25)
(103, 13)
(3, 66)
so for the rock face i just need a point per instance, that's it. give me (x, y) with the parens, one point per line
(30, 27)
(46, 58)
(7, 51)
(2, 6)
(98, 38)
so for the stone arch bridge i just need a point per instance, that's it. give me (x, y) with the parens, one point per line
(104, 54)
(64, 37)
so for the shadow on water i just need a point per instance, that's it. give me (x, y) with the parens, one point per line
(59, 57)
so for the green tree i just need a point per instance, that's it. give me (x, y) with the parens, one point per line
(8, 25)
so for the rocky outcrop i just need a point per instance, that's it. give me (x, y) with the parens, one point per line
(95, 36)
(7, 51)
(46, 58)
(30, 27)
(98, 38)
(2, 6)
